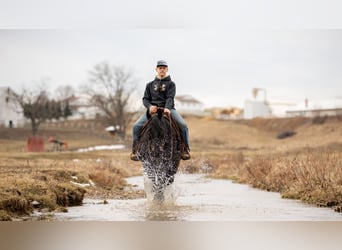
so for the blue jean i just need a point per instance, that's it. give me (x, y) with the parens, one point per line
(175, 115)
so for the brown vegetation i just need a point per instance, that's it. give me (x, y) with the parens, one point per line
(42, 184)
(312, 176)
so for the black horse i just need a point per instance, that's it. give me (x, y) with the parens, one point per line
(159, 147)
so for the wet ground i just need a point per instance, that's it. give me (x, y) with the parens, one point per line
(196, 198)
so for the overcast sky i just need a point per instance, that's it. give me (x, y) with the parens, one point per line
(217, 65)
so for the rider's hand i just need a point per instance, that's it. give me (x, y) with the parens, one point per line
(153, 109)
(167, 111)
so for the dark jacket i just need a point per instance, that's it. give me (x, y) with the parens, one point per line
(160, 92)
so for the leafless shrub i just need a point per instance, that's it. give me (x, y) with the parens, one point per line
(258, 172)
(229, 166)
(16, 204)
(318, 179)
(108, 177)
(69, 195)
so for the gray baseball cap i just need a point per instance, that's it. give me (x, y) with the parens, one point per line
(161, 63)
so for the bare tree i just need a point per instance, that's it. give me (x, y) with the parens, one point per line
(65, 91)
(37, 107)
(33, 105)
(111, 88)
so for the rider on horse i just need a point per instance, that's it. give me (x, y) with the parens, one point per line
(160, 93)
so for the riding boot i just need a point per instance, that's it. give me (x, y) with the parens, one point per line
(133, 155)
(186, 154)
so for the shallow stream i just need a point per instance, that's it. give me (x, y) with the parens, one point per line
(194, 197)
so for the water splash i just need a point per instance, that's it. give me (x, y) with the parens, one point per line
(170, 192)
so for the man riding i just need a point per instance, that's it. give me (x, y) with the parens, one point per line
(160, 93)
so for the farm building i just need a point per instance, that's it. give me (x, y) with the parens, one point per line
(11, 114)
(186, 104)
(316, 108)
(82, 108)
(256, 108)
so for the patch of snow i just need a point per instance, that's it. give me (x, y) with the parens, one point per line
(102, 147)
(35, 203)
(112, 128)
(81, 184)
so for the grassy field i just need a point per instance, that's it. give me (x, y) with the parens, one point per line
(306, 166)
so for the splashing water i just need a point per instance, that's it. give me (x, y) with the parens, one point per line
(170, 192)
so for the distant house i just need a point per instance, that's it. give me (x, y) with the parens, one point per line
(11, 114)
(316, 108)
(82, 108)
(186, 104)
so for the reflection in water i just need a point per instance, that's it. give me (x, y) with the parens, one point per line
(167, 211)
(155, 211)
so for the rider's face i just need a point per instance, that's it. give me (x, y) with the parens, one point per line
(162, 71)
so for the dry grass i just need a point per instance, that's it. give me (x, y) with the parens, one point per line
(108, 177)
(311, 176)
(50, 181)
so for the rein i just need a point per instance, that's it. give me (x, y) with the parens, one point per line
(171, 128)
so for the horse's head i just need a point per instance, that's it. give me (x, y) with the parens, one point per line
(159, 125)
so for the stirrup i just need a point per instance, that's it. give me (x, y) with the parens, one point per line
(185, 156)
(134, 157)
